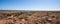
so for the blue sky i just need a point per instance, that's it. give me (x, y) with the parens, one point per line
(29, 4)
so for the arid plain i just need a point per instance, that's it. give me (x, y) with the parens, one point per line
(33, 17)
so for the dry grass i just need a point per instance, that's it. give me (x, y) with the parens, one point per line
(38, 17)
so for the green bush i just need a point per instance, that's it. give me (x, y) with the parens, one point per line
(22, 17)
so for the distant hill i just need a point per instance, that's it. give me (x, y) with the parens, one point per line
(15, 11)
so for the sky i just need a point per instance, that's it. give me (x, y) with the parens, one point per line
(29, 4)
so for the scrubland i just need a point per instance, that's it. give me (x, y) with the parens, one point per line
(34, 17)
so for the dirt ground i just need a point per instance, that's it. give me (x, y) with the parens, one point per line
(35, 17)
